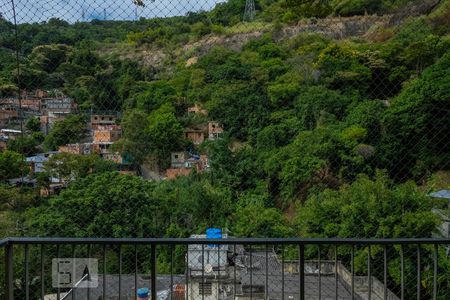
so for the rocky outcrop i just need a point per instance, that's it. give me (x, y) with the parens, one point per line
(332, 27)
(336, 27)
(413, 9)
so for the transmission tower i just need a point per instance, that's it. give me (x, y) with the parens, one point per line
(250, 11)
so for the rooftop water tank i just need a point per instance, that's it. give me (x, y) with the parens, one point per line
(213, 233)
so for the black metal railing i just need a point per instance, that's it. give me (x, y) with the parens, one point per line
(228, 268)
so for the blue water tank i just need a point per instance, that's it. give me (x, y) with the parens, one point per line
(213, 233)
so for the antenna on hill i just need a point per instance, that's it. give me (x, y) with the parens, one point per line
(82, 14)
(250, 11)
(104, 14)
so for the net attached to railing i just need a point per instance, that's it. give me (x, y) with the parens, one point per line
(267, 118)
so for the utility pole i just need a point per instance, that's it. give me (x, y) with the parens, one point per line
(250, 11)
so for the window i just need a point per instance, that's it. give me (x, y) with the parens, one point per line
(176, 156)
(205, 288)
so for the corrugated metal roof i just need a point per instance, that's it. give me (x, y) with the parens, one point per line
(443, 194)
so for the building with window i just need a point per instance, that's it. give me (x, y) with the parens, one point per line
(182, 163)
(196, 135)
(109, 133)
(99, 120)
(214, 130)
(78, 148)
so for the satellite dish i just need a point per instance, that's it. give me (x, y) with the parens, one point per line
(208, 268)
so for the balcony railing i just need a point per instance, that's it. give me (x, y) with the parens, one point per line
(227, 268)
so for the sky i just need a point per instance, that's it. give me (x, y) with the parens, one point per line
(84, 10)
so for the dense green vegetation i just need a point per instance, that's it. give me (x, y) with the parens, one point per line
(332, 138)
(309, 113)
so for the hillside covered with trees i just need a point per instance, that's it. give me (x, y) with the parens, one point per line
(324, 136)
(303, 115)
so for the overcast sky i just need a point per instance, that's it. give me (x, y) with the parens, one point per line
(73, 10)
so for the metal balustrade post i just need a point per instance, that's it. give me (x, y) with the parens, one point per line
(187, 272)
(385, 272)
(302, 271)
(235, 273)
(419, 277)
(58, 291)
(319, 272)
(218, 272)
(104, 272)
(203, 272)
(42, 271)
(336, 275)
(120, 272)
(153, 272)
(9, 272)
(267, 273)
(88, 290)
(27, 272)
(135, 271)
(435, 270)
(402, 274)
(352, 271)
(282, 272)
(251, 272)
(369, 272)
(171, 271)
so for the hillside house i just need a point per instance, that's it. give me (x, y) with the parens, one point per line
(14, 103)
(182, 163)
(214, 130)
(107, 134)
(54, 110)
(80, 149)
(7, 115)
(52, 189)
(9, 134)
(114, 157)
(177, 159)
(100, 120)
(61, 105)
(104, 136)
(37, 161)
(48, 121)
(31, 104)
(197, 109)
(196, 135)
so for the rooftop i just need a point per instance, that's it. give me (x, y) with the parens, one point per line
(443, 194)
